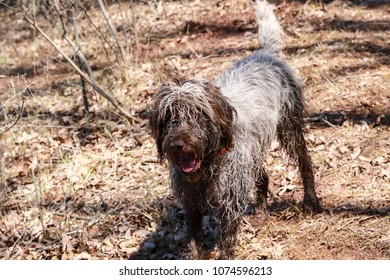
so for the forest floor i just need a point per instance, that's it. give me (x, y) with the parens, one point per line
(74, 191)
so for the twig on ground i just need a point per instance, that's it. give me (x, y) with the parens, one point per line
(72, 216)
(11, 251)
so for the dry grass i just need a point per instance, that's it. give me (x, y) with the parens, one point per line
(77, 192)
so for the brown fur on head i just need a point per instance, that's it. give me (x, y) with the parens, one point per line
(191, 122)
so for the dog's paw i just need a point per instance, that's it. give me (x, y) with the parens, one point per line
(311, 208)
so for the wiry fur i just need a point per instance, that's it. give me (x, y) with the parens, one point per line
(216, 135)
(270, 31)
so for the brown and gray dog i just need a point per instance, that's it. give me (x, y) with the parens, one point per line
(215, 136)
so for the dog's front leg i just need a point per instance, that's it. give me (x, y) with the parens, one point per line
(228, 238)
(195, 232)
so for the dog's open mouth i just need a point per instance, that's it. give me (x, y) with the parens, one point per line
(188, 165)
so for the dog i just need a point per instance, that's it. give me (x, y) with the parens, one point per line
(215, 136)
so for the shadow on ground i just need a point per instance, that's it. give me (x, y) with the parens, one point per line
(168, 240)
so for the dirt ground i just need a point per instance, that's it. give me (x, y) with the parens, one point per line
(69, 190)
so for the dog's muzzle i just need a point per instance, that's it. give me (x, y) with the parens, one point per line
(180, 153)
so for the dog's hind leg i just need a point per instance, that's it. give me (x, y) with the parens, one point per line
(310, 199)
(290, 135)
(262, 183)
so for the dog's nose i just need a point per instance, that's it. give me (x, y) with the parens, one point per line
(176, 145)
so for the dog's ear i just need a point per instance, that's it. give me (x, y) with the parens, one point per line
(223, 113)
(156, 128)
(158, 119)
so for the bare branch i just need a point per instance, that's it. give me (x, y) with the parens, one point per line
(15, 121)
(134, 19)
(76, 36)
(102, 36)
(88, 78)
(111, 27)
(125, 20)
(82, 81)
(16, 95)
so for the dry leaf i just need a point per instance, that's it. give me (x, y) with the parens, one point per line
(356, 153)
(67, 246)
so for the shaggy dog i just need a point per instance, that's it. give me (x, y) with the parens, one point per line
(215, 136)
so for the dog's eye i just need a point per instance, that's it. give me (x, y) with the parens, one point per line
(174, 123)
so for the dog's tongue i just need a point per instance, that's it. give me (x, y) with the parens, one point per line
(189, 165)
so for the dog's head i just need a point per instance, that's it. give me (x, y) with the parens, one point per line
(191, 122)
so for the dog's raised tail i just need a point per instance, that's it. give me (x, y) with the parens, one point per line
(270, 31)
